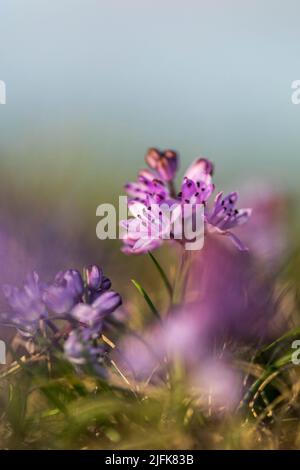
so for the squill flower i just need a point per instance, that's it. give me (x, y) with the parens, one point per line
(27, 307)
(92, 316)
(197, 185)
(65, 292)
(150, 226)
(148, 186)
(201, 169)
(68, 295)
(84, 353)
(135, 243)
(87, 319)
(156, 183)
(195, 192)
(69, 292)
(96, 282)
(84, 305)
(224, 217)
(145, 231)
(94, 277)
(82, 347)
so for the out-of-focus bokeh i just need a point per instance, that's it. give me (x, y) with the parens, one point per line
(92, 84)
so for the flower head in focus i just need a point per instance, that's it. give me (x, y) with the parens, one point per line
(145, 230)
(150, 225)
(156, 183)
(225, 216)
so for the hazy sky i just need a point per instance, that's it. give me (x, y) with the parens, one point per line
(109, 78)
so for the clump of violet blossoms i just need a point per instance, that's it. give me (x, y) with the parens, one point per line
(155, 189)
(84, 303)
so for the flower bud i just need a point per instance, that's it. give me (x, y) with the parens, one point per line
(94, 277)
(164, 163)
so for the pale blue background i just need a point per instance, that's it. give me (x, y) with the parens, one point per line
(99, 81)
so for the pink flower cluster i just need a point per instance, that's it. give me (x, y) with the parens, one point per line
(155, 190)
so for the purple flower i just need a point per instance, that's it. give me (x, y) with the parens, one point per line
(66, 291)
(134, 244)
(27, 307)
(84, 305)
(92, 316)
(94, 276)
(148, 228)
(69, 293)
(157, 182)
(84, 353)
(200, 170)
(225, 216)
(164, 163)
(197, 186)
(269, 223)
(96, 282)
(195, 192)
(107, 302)
(147, 187)
(82, 348)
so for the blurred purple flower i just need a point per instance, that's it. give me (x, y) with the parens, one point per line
(88, 303)
(233, 296)
(94, 276)
(27, 307)
(92, 316)
(178, 336)
(182, 338)
(84, 353)
(96, 282)
(87, 318)
(267, 232)
(65, 292)
(68, 297)
(217, 384)
(84, 305)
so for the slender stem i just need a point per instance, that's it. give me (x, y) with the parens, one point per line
(163, 274)
(179, 289)
(172, 189)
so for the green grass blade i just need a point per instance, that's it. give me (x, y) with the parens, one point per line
(147, 298)
(288, 335)
(162, 274)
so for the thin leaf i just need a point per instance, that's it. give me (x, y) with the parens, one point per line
(147, 298)
(162, 274)
(288, 335)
